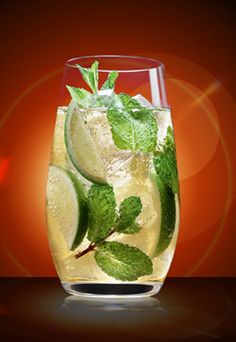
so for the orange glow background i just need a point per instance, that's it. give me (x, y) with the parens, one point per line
(195, 43)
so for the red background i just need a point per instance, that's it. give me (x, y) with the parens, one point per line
(196, 44)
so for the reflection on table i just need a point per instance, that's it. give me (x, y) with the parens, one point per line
(39, 309)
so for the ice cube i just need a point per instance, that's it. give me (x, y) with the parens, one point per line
(144, 102)
(107, 92)
(163, 121)
(116, 162)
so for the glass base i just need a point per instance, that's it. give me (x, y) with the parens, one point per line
(112, 290)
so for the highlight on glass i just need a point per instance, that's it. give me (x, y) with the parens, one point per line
(112, 197)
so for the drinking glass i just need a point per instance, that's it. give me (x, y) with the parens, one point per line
(112, 197)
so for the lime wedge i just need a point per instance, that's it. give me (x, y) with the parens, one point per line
(168, 216)
(81, 147)
(66, 202)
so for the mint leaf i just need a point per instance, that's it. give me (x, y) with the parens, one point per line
(132, 129)
(121, 261)
(90, 75)
(77, 94)
(84, 98)
(110, 82)
(170, 140)
(168, 216)
(102, 212)
(165, 162)
(130, 208)
(129, 102)
(132, 229)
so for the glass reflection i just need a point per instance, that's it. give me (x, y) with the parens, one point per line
(138, 317)
(185, 308)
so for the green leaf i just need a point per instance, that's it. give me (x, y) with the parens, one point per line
(168, 216)
(165, 162)
(169, 139)
(129, 102)
(132, 229)
(102, 212)
(77, 94)
(110, 82)
(121, 261)
(133, 129)
(90, 75)
(130, 208)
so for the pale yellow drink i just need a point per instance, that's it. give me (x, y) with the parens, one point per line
(129, 175)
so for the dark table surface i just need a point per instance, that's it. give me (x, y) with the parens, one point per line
(38, 309)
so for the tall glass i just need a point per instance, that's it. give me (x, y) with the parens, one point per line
(112, 198)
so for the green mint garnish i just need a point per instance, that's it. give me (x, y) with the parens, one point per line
(129, 102)
(78, 94)
(102, 212)
(133, 128)
(90, 75)
(165, 162)
(110, 82)
(129, 209)
(118, 260)
(121, 261)
(103, 217)
(84, 98)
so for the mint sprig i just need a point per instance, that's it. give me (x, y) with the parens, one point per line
(103, 218)
(118, 260)
(96, 99)
(133, 126)
(90, 75)
(165, 162)
(121, 261)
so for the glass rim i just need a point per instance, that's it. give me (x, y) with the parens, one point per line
(156, 64)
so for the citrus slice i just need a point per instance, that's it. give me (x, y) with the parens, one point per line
(58, 152)
(168, 216)
(66, 202)
(59, 156)
(81, 147)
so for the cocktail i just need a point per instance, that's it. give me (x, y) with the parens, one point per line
(112, 198)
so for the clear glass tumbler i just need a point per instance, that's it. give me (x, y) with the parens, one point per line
(112, 197)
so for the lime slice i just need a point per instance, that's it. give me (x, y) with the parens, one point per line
(66, 202)
(59, 156)
(168, 216)
(81, 147)
(58, 152)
